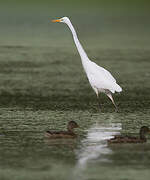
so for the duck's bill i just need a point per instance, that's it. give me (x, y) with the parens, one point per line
(56, 20)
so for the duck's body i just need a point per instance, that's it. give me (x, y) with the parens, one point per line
(126, 139)
(129, 139)
(60, 134)
(63, 134)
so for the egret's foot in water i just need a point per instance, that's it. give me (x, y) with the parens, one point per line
(116, 109)
(99, 107)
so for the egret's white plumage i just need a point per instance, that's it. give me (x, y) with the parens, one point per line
(99, 78)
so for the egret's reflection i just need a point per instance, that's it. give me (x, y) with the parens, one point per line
(94, 146)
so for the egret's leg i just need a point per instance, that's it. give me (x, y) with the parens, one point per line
(97, 94)
(99, 104)
(111, 98)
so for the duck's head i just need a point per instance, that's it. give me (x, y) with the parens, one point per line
(143, 131)
(72, 125)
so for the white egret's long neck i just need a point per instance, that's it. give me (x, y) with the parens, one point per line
(81, 51)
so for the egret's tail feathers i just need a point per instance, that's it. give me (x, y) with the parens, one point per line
(115, 88)
(118, 88)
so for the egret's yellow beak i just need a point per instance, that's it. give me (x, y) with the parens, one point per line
(56, 20)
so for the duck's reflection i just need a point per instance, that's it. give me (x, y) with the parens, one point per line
(94, 146)
(70, 143)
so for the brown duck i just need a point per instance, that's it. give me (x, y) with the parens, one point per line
(63, 134)
(129, 139)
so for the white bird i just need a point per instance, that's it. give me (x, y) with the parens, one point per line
(99, 78)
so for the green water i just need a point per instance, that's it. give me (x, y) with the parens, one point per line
(43, 86)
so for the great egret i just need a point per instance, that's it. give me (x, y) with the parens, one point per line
(99, 78)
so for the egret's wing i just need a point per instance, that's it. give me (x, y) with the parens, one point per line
(102, 72)
(102, 79)
(100, 83)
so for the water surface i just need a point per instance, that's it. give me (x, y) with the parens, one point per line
(43, 86)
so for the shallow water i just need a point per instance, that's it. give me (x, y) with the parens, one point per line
(26, 153)
(43, 86)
